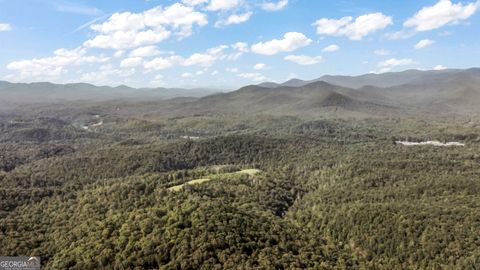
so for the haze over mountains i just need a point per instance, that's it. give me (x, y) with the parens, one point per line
(408, 92)
(45, 92)
(450, 91)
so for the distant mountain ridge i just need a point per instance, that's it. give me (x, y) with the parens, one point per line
(389, 94)
(383, 80)
(38, 92)
(371, 95)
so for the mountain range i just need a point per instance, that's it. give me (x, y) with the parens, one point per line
(388, 94)
(46, 92)
(408, 92)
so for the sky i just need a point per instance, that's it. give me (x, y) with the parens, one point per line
(229, 43)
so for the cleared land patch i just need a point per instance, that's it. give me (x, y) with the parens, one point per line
(250, 172)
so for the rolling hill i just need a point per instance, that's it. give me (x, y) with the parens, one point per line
(311, 100)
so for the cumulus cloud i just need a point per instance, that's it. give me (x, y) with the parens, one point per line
(219, 5)
(186, 75)
(353, 29)
(291, 41)
(444, 12)
(240, 46)
(157, 80)
(257, 77)
(402, 34)
(146, 51)
(131, 62)
(423, 44)
(331, 48)
(129, 30)
(54, 65)
(304, 59)
(259, 66)
(381, 52)
(439, 67)
(130, 39)
(181, 18)
(200, 59)
(206, 59)
(274, 6)
(5, 27)
(393, 62)
(234, 19)
(160, 63)
(105, 74)
(119, 53)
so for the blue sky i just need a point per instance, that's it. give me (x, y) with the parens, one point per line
(230, 43)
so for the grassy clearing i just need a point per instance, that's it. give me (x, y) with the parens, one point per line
(250, 172)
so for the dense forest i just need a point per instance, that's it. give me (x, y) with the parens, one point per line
(329, 193)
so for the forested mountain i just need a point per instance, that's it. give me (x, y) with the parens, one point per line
(309, 177)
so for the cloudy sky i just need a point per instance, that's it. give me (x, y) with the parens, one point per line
(229, 43)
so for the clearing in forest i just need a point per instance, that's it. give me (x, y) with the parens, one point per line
(250, 172)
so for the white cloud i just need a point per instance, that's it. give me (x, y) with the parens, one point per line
(272, 6)
(5, 27)
(125, 22)
(303, 59)
(123, 40)
(131, 62)
(393, 62)
(186, 75)
(119, 53)
(233, 70)
(290, 42)
(381, 52)
(240, 46)
(234, 19)
(161, 63)
(157, 80)
(54, 65)
(257, 77)
(181, 18)
(146, 51)
(331, 48)
(259, 66)
(353, 29)
(200, 59)
(105, 75)
(291, 76)
(424, 43)
(206, 59)
(439, 67)
(214, 73)
(402, 34)
(217, 5)
(444, 12)
(129, 30)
